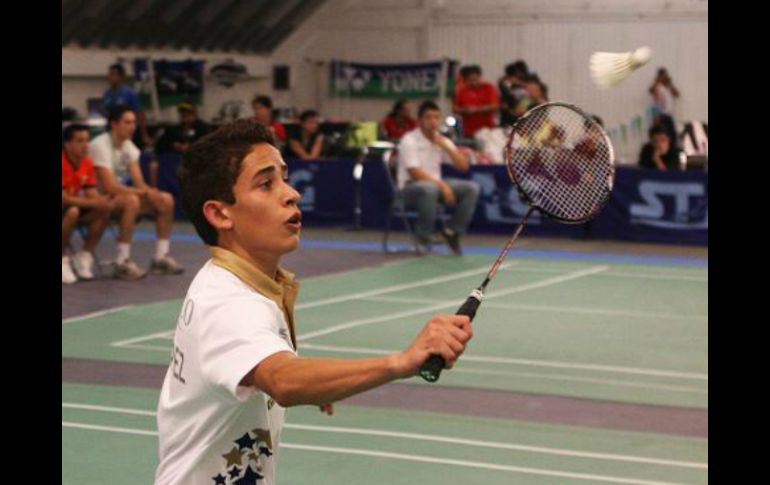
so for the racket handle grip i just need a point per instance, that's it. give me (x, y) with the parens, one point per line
(431, 369)
(471, 304)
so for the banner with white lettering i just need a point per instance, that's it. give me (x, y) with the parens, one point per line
(647, 205)
(358, 80)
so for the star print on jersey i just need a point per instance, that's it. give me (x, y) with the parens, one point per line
(234, 472)
(249, 478)
(255, 445)
(233, 458)
(245, 441)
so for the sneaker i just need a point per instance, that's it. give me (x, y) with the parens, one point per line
(128, 270)
(166, 265)
(453, 240)
(67, 275)
(83, 262)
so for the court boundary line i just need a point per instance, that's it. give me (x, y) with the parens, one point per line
(530, 362)
(541, 308)
(433, 437)
(397, 456)
(516, 289)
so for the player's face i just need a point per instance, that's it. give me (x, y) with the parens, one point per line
(265, 214)
(261, 112)
(661, 142)
(430, 120)
(114, 78)
(310, 125)
(473, 79)
(77, 147)
(187, 116)
(125, 126)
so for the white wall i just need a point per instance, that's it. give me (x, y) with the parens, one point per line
(555, 37)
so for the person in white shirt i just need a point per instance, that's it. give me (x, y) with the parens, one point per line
(234, 367)
(116, 159)
(420, 155)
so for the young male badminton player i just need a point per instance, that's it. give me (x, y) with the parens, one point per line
(234, 366)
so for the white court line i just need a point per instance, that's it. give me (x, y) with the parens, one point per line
(618, 274)
(433, 438)
(142, 338)
(96, 314)
(568, 378)
(475, 464)
(154, 348)
(400, 456)
(401, 287)
(113, 429)
(530, 362)
(516, 289)
(557, 309)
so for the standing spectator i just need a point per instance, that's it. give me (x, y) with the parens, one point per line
(513, 92)
(117, 168)
(420, 155)
(119, 93)
(659, 153)
(308, 143)
(476, 101)
(263, 114)
(399, 120)
(80, 203)
(663, 94)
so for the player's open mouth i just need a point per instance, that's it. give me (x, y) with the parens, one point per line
(295, 222)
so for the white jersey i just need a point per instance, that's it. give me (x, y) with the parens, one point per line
(213, 430)
(115, 158)
(416, 151)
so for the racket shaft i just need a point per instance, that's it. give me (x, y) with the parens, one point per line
(431, 369)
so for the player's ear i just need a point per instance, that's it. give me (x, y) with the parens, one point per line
(217, 214)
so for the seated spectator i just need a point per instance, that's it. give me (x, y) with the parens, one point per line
(537, 92)
(476, 101)
(118, 172)
(81, 203)
(420, 155)
(512, 92)
(263, 114)
(399, 120)
(658, 153)
(177, 139)
(308, 143)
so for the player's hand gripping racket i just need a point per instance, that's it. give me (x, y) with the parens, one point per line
(562, 162)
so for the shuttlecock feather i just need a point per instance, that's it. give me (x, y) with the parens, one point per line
(609, 68)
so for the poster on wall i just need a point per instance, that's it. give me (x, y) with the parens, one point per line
(358, 80)
(174, 81)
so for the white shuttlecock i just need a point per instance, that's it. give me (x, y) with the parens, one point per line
(609, 68)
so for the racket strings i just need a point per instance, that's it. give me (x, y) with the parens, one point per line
(562, 162)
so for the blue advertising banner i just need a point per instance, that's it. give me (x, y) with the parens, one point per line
(645, 206)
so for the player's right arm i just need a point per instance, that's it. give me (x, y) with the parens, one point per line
(293, 380)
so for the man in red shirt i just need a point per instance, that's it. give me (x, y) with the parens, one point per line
(80, 202)
(476, 101)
